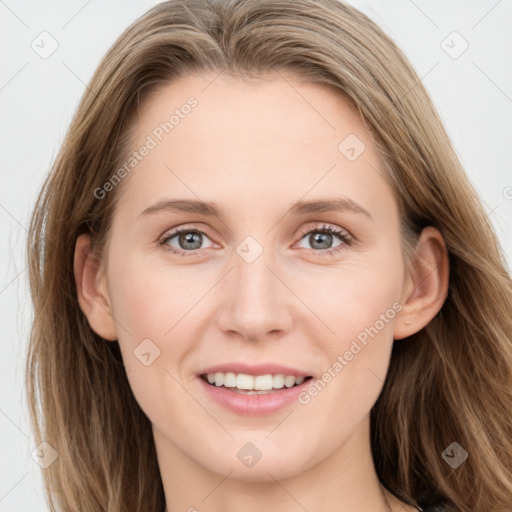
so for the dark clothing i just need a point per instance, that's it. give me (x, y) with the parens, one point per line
(434, 508)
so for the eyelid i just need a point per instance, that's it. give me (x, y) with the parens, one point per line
(325, 227)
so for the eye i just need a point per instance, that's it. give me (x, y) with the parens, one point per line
(188, 240)
(322, 238)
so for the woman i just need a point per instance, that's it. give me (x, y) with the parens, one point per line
(254, 371)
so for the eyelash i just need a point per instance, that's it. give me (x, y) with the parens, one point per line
(343, 235)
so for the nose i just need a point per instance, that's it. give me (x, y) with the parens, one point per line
(257, 304)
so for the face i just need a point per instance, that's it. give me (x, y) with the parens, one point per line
(266, 282)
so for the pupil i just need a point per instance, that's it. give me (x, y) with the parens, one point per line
(317, 237)
(188, 238)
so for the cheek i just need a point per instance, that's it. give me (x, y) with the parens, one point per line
(359, 302)
(150, 307)
(354, 297)
(149, 300)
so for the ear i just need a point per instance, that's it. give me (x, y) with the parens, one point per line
(426, 284)
(92, 289)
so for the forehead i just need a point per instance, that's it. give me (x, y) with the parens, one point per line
(272, 138)
(257, 106)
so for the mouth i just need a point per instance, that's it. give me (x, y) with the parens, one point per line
(253, 384)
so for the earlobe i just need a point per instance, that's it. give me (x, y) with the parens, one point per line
(92, 290)
(426, 286)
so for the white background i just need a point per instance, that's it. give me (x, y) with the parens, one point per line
(473, 94)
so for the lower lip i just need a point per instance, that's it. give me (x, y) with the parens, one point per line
(254, 405)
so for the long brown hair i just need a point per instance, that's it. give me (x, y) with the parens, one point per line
(450, 382)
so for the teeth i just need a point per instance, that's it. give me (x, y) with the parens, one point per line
(230, 380)
(248, 383)
(289, 381)
(278, 381)
(263, 382)
(244, 381)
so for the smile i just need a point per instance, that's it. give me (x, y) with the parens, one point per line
(253, 384)
(239, 393)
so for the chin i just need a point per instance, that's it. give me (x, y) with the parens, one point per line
(259, 462)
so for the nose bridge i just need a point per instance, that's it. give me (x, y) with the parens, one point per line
(257, 302)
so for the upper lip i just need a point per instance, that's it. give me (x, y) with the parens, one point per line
(254, 369)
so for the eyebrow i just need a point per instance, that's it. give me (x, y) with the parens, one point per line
(298, 208)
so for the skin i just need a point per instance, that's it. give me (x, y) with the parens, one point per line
(255, 149)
